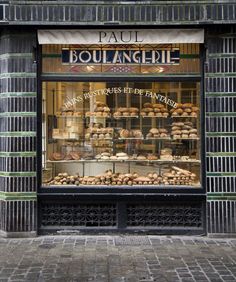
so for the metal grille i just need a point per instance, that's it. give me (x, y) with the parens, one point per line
(89, 215)
(222, 216)
(165, 216)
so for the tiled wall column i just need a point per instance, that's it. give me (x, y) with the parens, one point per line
(221, 129)
(17, 133)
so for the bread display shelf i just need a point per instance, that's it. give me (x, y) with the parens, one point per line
(118, 117)
(190, 139)
(124, 161)
(163, 186)
(154, 117)
(131, 138)
(158, 138)
(68, 139)
(183, 117)
(100, 139)
(65, 116)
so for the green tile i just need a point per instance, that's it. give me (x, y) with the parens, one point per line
(10, 196)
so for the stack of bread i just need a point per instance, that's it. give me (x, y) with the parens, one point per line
(178, 176)
(183, 130)
(110, 178)
(126, 112)
(109, 156)
(133, 133)
(157, 133)
(73, 155)
(101, 110)
(175, 176)
(184, 110)
(101, 133)
(65, 179)
(166, 154)
(154, 110)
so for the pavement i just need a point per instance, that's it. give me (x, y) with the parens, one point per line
(117, 259)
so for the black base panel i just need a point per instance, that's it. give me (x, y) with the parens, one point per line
(143, 214)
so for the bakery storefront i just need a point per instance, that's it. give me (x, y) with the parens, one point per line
(121, 130)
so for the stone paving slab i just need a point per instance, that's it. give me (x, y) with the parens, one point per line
(117, 259)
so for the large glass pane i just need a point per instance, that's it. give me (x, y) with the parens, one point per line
(121, 134)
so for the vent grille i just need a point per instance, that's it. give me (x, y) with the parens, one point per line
(164, 216)
(87, 215)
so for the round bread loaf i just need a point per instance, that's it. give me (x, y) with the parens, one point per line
(187, 105)
(132, 109)
(184, 136)
(163, 130)
(124, 133)
(121, 154)
(193, 130)
(154, 130)
(147, 105)
(188, 110)
(195, 109)
(158, 105)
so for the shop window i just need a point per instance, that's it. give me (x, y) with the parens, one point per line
(121, 134)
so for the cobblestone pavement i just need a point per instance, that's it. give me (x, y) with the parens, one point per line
(118, 259)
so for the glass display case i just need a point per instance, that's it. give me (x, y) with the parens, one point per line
(119, 134)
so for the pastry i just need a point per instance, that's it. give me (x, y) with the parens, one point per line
(141, 157)
(147, 105)
(195, 109)
(158, 105)
(75, 155)
(137, 133)
(187, 110)
(121, 154)
(163, 130)
(151, 157)
(135, 110)
(194, 130)
(57, 157)
(184, 136)
(122, 109)
(117, 114)
(193, 114)
(176, 136)
(187, 105)
(154, 131)
(113, 157)
(192, 135)
(124, 133)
